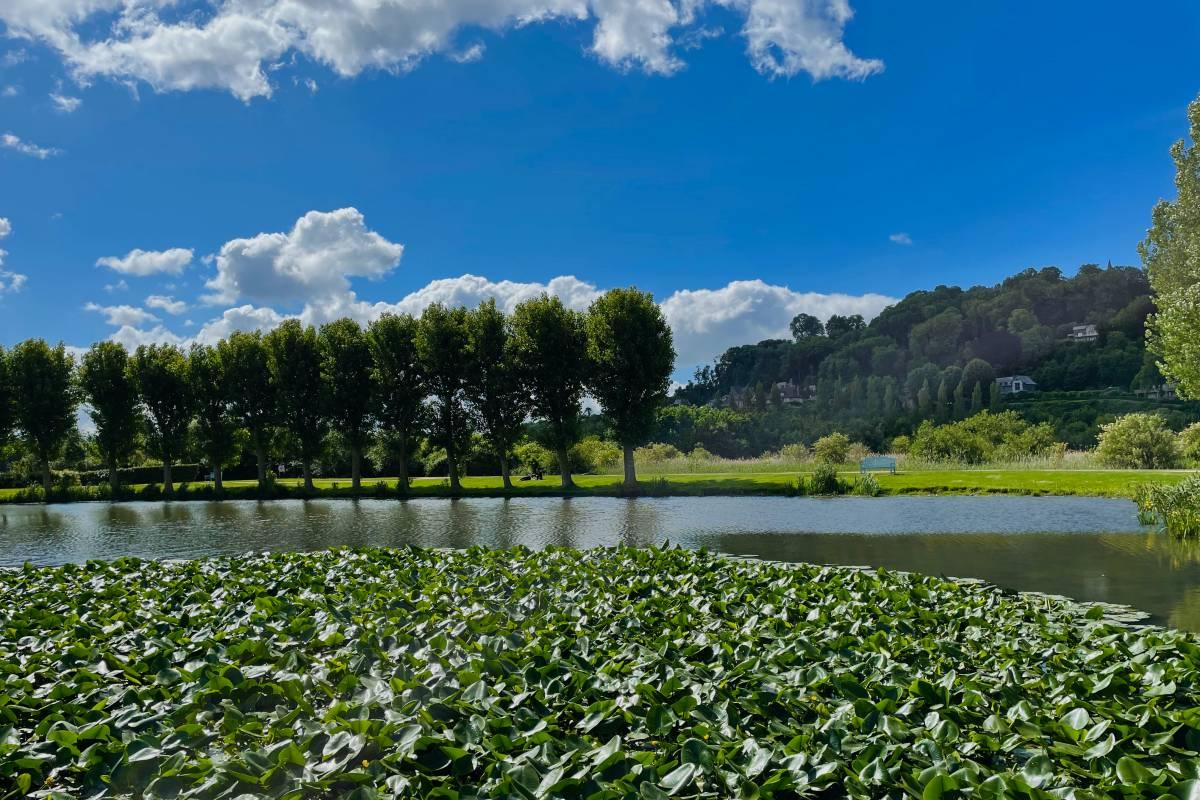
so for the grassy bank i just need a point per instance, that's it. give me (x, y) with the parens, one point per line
(564, 674)
(1094, 483)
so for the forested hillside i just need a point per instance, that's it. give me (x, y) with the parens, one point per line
(936, 354)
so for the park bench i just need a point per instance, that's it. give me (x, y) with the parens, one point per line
(877, 462)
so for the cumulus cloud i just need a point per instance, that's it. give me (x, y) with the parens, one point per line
(11, 141)
(141, 263)
(313, 261)
(10, 91)
(167, 304)
(5, 227)
(122, 315)
(901, 238)
(707, 321)
(231, 44)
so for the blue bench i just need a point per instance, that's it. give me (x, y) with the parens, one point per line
(878, 462)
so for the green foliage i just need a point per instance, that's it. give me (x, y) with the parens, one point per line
(866, 486)
(832, 449)
(983, 437)
(657, 452)
(111, 394)
(7, 399)
(45, 397)
(160, 373)
(593, 454)
(823, 481)
(631, 355)
(1189, 441)
(1139, 441)
(215, 431)
(301, 389)
(496, 390)
(1171, 253)
(806, 326)
(253, 399)
(294, 674)
(442, 340)
(531, 455)
(551, 345)
(346, 370)
(1175, 507)
(399, 381)
(794, 452)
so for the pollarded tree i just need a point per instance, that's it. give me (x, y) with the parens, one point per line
(253, 402)
(301, 389)
(1171, 253)
(399, 384)
(45, 398)
(6, 399)
(108, 388)
(346, 371)
(442, 347)
(551, 345)
(631, 354)
(216, 431)
(160, 373)
(496, 390)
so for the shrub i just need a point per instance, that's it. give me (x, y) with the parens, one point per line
(700, 454)
(593, 454)
(901, 444)
(948, 443)
(824, 481)
(1189, 441)
(867, 486)
(529, 453)
(1138, 441)
(656, 453)
(832, 449)
(1176, 508)
(794, 453)
(983, 437)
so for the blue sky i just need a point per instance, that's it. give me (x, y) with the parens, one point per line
(742, 160)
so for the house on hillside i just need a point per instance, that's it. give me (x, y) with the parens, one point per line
(1015, 384)
(792, 393)
(1083, 333)
(1164, 391)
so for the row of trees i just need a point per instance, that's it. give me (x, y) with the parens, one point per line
(446, 374)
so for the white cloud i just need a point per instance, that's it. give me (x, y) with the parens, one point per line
(311, 262)
(901, 238)
(119, 286)
(5, 227)
(167, 304)
(14, 57)
(470, 55)
(65, 103)
(11, 141)
(122, 315)
(242, 318)
(707, 321)
(132, 337)
(148, 262)
(10, 282)
(233, 44)
(10, 91)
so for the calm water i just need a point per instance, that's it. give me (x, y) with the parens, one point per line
(1086, 548)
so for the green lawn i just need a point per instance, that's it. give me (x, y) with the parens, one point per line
(1098, 483)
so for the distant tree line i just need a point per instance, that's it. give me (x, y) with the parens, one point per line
(448, 375)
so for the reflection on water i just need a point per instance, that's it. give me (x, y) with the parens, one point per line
(1080, 547)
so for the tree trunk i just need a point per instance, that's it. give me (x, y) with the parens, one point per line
(356, 467)
(114, 479)
(308, 484)
(631, 483)
(168, 488)
(47, 477)
(402, 481)
(504, 474)
(218, 478)
(452, 457)
(261, 455)
(564, 468)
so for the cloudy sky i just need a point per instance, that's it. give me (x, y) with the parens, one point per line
(172, 170)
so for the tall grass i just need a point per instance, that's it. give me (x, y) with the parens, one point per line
(1175, 508)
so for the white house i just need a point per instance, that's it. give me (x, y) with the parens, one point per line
(1083, 333)
(1015, 384)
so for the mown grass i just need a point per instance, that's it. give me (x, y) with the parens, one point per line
(1092, 483)
(604, 674)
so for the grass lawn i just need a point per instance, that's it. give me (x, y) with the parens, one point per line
(1096, 483)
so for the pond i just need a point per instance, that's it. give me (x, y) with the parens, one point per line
(1086, 548)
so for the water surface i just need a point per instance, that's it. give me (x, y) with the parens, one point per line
(1087, 548)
